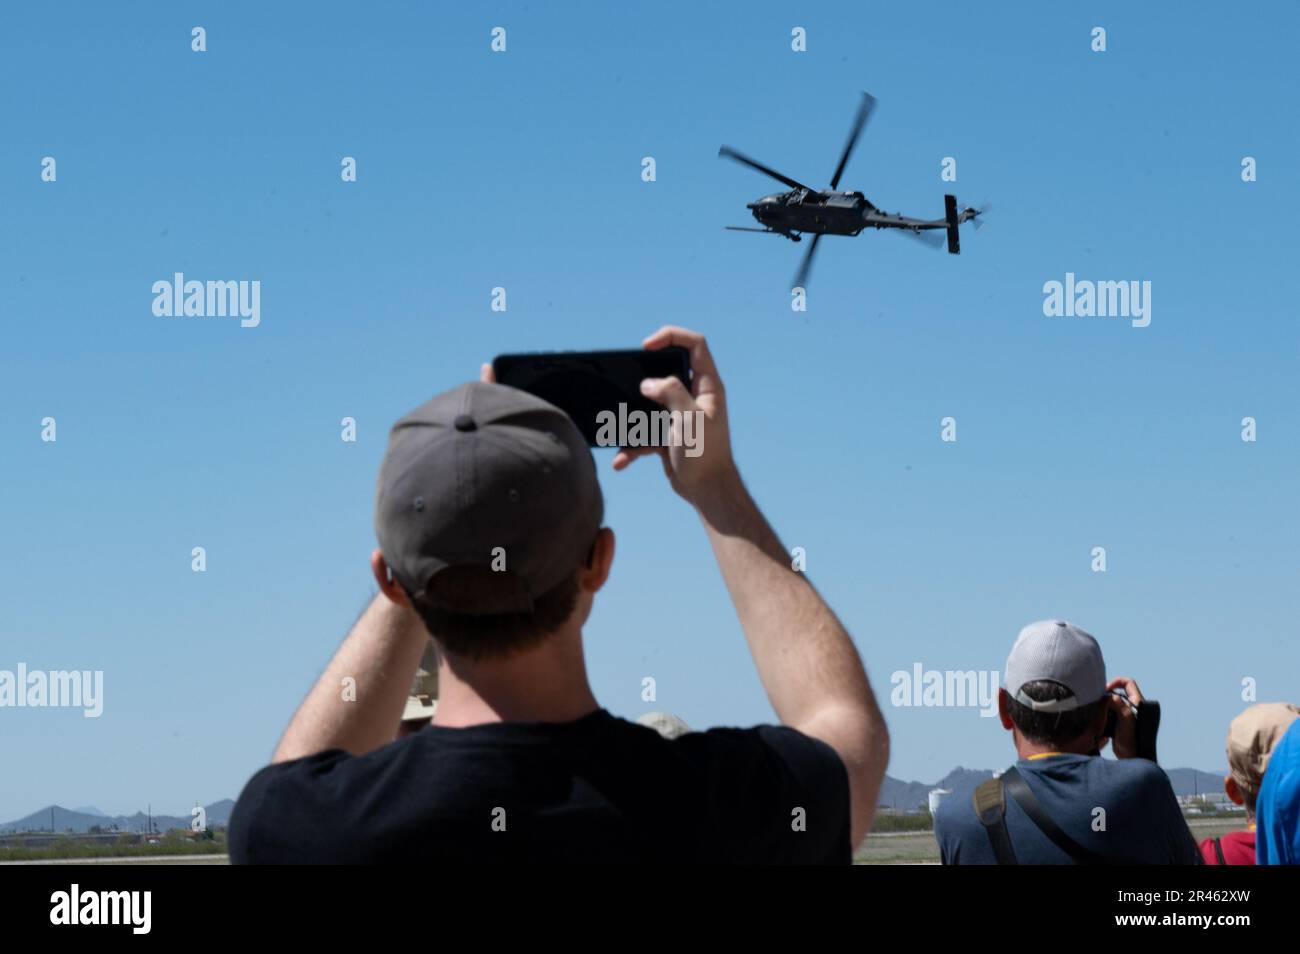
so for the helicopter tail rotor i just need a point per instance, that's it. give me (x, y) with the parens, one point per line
(953, 220)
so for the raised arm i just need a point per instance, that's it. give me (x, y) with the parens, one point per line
(356, 704)
(808, 664)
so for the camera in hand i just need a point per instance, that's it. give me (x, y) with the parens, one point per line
(1147, 715)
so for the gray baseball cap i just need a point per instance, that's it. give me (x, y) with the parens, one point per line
(490, 476)
(1056, 651)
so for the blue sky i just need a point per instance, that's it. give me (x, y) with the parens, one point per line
(522, 170)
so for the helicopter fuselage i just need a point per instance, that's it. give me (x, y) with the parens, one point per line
(802, 210)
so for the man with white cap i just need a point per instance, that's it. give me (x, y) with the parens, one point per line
(1061, 803)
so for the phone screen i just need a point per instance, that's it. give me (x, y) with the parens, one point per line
(585, 384)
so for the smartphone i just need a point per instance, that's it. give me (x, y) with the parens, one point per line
(584, 384)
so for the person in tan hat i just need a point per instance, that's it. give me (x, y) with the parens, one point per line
(422, 703)
(1251, 738)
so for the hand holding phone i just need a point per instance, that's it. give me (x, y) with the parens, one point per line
(675, 371)
(593, 387)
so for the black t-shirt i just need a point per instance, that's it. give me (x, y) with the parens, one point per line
(597, 789)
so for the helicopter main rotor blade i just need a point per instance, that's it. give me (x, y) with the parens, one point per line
(864, 113)
(755, 164)
(805, 267)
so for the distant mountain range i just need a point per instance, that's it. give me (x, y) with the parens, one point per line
(80, 820)
(894, 793)
(908, 796)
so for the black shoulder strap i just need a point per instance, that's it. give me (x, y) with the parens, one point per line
(1218, 852)
(1020, 791)
(991, 809)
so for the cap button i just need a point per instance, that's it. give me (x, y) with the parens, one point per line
(464, 422)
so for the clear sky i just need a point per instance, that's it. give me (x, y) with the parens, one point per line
(522, 170)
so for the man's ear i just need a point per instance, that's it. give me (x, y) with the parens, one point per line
(1004, 714)
(593, 576)
(384, 577)
(1234, 790)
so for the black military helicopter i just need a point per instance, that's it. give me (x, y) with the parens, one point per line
(805, 210)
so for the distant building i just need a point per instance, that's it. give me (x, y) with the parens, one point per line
(1217, 801)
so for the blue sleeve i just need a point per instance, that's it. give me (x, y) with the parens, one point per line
(1277, 809)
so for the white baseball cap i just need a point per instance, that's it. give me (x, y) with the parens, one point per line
(1053, 650)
